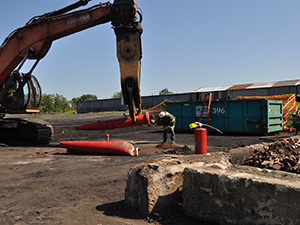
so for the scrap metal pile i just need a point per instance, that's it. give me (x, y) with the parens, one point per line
(281, 155)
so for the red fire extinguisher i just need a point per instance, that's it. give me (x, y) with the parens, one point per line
(200, 141)
(201, 137)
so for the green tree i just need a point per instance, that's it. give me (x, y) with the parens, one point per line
(61, 104)
(165, 91)
(82, 98)
(118, 94)
(47, 105)
(54, 103)
(74, 102)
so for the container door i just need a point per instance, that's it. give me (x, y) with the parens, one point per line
(275, 115)
(255, 116)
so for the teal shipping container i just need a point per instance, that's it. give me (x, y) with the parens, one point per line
(259, 116)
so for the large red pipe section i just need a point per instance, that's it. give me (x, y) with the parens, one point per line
(100, 147)
(200, 141)
(117, 123)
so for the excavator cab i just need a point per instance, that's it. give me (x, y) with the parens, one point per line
(23, 94)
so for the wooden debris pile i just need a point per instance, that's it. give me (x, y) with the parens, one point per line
(281, 155)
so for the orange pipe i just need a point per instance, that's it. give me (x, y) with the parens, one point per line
(100, 147)
(117, 123)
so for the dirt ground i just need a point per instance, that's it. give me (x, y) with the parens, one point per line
(46, 185)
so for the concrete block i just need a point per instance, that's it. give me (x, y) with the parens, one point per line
(155, 187)
(241, 195)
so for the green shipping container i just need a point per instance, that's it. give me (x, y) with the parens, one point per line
(259, 116)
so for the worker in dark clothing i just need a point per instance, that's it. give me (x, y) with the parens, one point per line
(167, 120)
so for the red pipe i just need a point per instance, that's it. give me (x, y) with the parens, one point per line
(100, 147)
(117, 123)
(200, 141)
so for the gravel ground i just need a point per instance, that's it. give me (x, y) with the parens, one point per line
(46, 185)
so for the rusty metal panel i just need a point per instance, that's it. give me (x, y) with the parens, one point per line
(239, 86)
(286, 83)
(212, 89)
(261, 85)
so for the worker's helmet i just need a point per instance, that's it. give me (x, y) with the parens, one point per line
(161, 114)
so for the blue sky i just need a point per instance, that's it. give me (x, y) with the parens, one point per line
(186, 45)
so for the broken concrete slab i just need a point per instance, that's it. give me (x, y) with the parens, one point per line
(155, 187)
(221, 194)
(211, 189)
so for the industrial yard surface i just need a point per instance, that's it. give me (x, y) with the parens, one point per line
(46, 185)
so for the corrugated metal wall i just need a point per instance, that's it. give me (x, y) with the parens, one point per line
(116, 104)
(222, 92)
(150, 101)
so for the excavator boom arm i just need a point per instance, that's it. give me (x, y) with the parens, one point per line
(38, 36)
(34, 40)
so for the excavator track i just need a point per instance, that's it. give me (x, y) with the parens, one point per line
(15, 131)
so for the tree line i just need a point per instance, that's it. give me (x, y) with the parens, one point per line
(59, 104)
(55, 103)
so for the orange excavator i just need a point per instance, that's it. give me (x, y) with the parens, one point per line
(20, 92)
